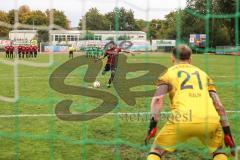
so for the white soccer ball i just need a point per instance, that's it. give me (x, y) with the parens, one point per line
(96, 84)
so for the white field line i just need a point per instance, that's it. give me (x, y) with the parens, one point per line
(53, 115)
(8, 99)
(15, 64)
(16, 86)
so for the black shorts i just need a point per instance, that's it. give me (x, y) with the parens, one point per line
(109, 67)
(70, 52)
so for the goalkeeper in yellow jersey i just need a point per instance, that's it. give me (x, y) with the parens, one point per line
(192, 93)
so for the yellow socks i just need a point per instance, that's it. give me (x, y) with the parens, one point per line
(220, 157)
(152, 156)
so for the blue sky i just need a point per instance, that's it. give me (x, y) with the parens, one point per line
(74, 9)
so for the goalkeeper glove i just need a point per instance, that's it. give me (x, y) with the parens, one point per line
(151, 131)
(229, 142)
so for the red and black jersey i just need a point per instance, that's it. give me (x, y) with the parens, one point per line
(30, 48)
(23, 49)
(111, 55)
(35, 48)
(7, 48)
(19, 48)
(11, 48)
(27, 48)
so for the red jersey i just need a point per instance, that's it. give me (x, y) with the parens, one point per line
(35, 48)
(19, 48)
(7, 48)
(30, 48)
(23, 49)
(11, 48)
(27, 49)
(112, 54)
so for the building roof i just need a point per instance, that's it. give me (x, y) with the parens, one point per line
(23, 31)
(79, 32)
(94, 31)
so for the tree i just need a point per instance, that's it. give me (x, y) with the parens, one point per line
(191, 25)
(26, 16)
(37, 18)
(220, 35)
(43, 35)
(34, 18)
(198, 6)
(154, 29)
(11, 16)
(88, 36)
(140, 25)
(95, 20)
(229, 7)
(168, 27)
(60, 19)
(121, 19)
(23, 13)
(226, 7)
(4, 18)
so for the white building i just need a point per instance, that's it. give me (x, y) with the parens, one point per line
(163, 44)
(22, 36)
(63, 36)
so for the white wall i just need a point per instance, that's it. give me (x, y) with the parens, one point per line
(105, 36)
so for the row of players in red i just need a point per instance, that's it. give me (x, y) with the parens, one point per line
(29, 51)
(21, 48)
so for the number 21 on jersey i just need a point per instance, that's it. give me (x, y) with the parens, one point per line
(185, 83)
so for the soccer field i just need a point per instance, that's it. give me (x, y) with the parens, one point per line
(29, 130)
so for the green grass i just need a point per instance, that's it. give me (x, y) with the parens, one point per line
(105, 138)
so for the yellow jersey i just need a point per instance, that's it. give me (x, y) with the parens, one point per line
(189, 89)
(71, 49)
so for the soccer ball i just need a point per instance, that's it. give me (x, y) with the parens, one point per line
(96, 84)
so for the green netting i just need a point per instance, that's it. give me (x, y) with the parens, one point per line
(34, 132)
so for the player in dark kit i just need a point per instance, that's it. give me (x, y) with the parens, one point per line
(111, 65)
(30, 54)
(19, 51)
(23, 51)
(27, 51)
(70, 51)
(35, 51)
(7, 50)
(11, 50)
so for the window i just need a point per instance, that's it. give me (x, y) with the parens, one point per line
(62, 38)
(56, 38)
(72, 38)
(68, 37)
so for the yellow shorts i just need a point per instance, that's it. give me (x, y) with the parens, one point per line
(210, 134)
